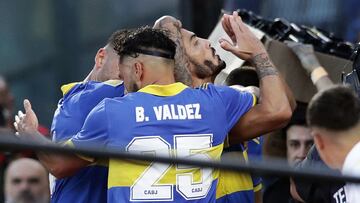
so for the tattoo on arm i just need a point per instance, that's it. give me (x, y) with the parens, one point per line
(263, 65)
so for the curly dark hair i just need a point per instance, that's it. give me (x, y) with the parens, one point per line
(146, 38)
(117, 38)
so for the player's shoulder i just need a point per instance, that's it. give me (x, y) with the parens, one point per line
(217, 90)
(113, 83)
(109, 84)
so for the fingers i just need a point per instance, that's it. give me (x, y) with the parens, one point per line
(21, 114)
(17, 119)
(225, 44)
(27, 106)
(16, 126)
(235, 27)
(238, 20)
(226, 25)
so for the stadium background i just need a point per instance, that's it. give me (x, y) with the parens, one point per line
(48, 43)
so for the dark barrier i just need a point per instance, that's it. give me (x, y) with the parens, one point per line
(262, 168)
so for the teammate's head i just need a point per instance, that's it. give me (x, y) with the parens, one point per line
(203, 60)
(334, 116)
(26, 181)
(106, 59)
(244, 76)
(146, 57)
(197, 54)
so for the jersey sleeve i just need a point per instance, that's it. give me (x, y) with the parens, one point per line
(95, 92)
(94, 132)
(236, 104)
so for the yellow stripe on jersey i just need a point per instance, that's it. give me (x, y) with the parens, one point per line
(256, 140)
(100, 162)
(125, 172)
(258, 188)
(231, 182)
(113, 83)
(67, 87)
(164, 90)
(254, 100)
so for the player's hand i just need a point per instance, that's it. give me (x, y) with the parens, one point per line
(244, 43)
(26, 124)
(306, 55)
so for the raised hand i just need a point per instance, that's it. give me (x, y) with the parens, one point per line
(245, 44)
(306, 55)
(26, 124)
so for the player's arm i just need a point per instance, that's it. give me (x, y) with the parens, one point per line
(57, 164)
(306, 55)
(273, 110)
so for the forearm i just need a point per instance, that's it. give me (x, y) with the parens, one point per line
(289, 95)
(323, 82)
(60, 165)
(273, 92)
(273, 110)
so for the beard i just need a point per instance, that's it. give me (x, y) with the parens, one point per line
(26, 196)
(207, 68)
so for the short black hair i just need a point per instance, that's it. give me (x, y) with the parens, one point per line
(298, 117)
(337, 109)
(117, 38)
(245, 76)
(146, 38)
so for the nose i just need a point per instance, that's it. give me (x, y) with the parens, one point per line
(303, 151)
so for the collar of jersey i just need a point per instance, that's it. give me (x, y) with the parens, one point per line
(164, 90)
(67, 87)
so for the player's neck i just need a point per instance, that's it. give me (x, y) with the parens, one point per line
(196, 82)
(92, 76)
(164, 79)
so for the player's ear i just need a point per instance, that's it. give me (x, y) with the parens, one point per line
(318, 140)
(100, 58)
(139, 70)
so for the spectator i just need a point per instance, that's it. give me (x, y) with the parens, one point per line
(312, 191)
(26, 181)
(298, 137)
(298, 142)
(334, 118)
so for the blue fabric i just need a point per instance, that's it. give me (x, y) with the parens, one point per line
(90, 183)
(210, 112)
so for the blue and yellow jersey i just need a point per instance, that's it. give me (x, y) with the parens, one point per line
(90, 183)
(171, 120)
(234, 187)
(254, 149)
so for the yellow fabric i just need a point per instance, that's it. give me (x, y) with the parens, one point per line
(254, 100)
(230, 182)
(164, 90)
(125, 172)
(256, 140)
(258, 188)
(67, 87)
(113, 83)
(101, 162)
